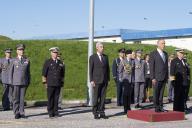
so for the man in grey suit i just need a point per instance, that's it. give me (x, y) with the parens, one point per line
(159, 74)
(8, 88)
(139, 79)
(20, 79)
(99, 77)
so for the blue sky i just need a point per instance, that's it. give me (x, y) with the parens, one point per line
(20, 19)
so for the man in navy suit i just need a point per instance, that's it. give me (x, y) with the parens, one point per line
(159, 74)
(99, 77)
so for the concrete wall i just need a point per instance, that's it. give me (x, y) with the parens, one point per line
(185, 43)
(116, 39)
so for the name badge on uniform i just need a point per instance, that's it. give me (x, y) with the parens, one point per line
(61, 65)
(16, 63)
(138, 66)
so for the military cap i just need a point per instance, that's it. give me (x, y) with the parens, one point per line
(54, 49)
(139, 51)
(180, 50)
(129, 51)
(20, 46)
(8, 50)
(122, 50)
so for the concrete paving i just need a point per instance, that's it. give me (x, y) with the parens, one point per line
(76, 116)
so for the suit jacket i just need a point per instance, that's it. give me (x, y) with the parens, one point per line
(5, 69)
(99, 71)
(139, 70)
(158, 68)
(20, 71)
(180, 72)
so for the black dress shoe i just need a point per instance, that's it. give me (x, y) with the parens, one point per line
(96, 117)
(104, 117)
(23, 116)
(57, 115)
(60, 108)
(51, 116)
(17, 116)
(6, 109)
(137, 106)
(157, 110)
(163, 110)
(119, 104)
(170, 100)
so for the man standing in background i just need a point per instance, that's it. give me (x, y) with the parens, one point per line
(61, 90)
(148, 85)
(7, 98)
(133, 56)
(187, 88)
(170, 87)
(139, 79)
(115, 71)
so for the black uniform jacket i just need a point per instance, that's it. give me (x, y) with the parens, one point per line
(179, 72)
(53, 72)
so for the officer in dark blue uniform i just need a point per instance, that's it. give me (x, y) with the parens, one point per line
(53, 77)
(115, 70)
(178, 75)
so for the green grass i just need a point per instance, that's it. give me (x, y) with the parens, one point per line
(75, 57)
(4, 38)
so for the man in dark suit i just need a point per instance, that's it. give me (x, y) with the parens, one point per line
(159, 74)
(179, 77)
(99, 77)
(115, 71)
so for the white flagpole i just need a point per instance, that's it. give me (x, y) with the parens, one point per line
(90, 49)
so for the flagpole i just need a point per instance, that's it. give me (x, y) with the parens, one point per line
(90, 50)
